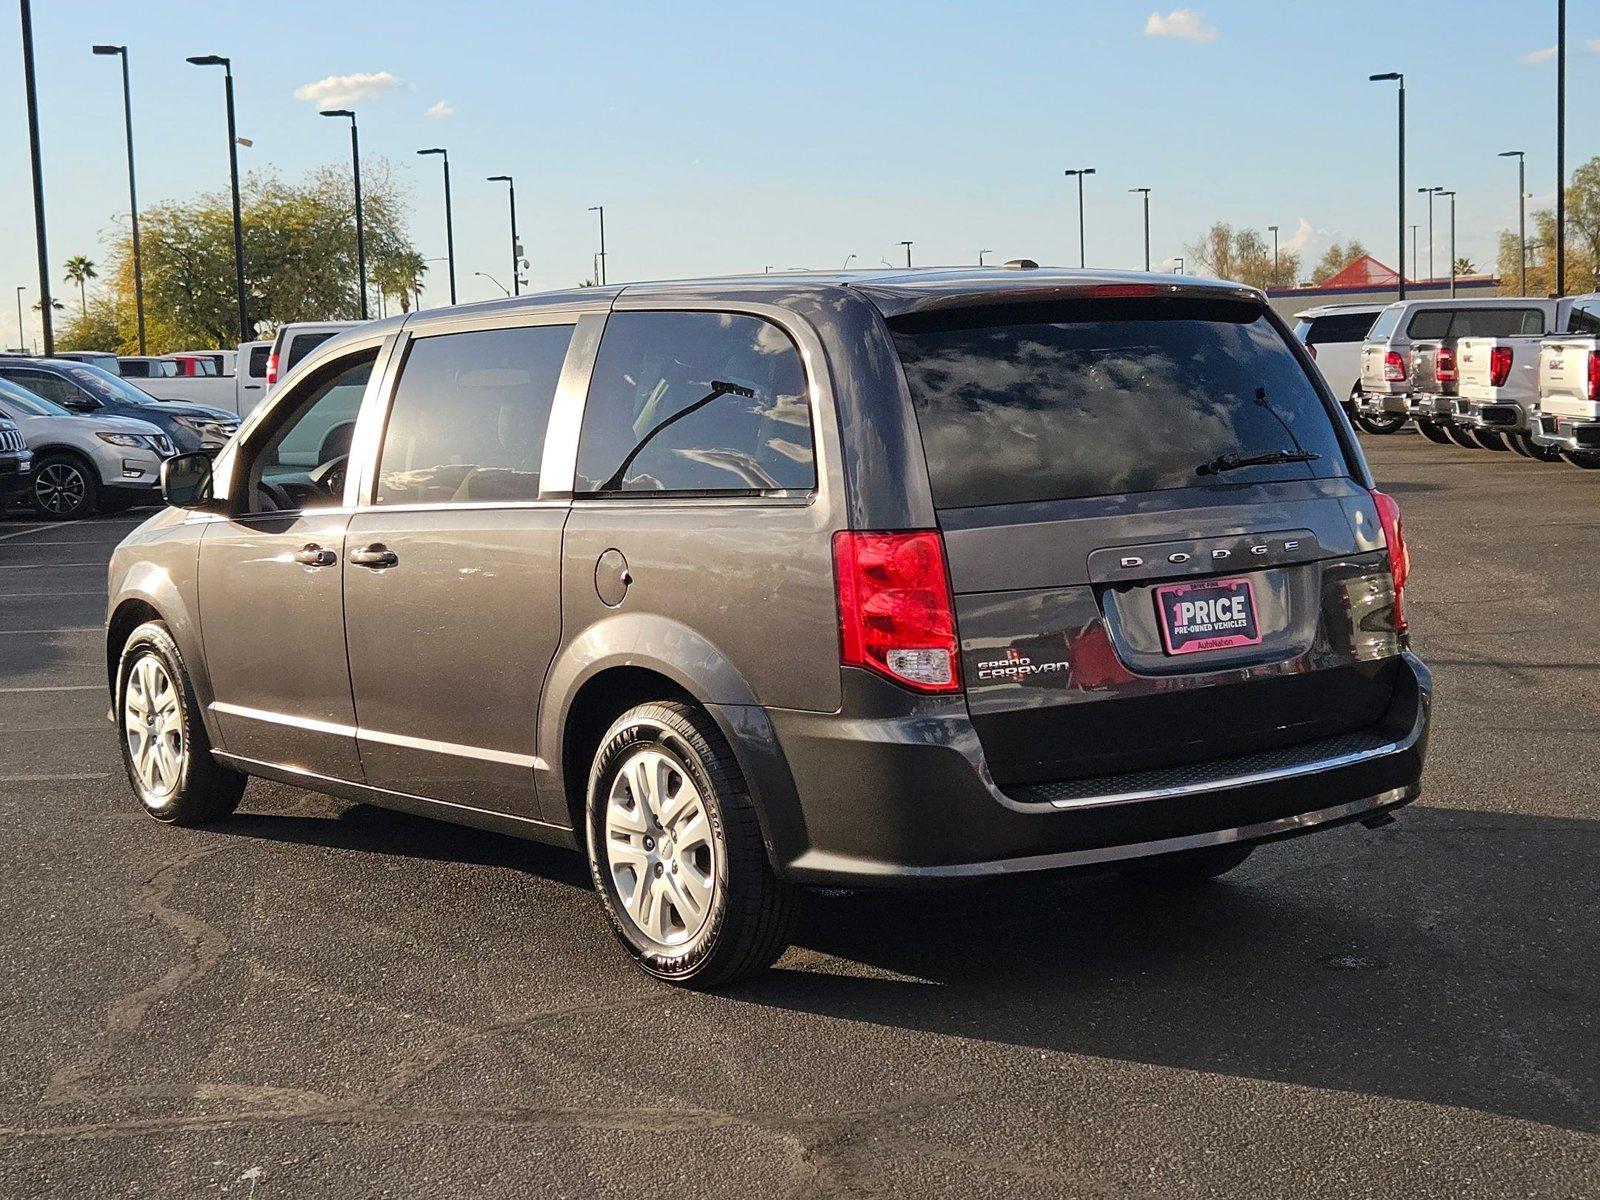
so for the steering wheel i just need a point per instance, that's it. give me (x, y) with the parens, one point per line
(329, 477)
(277, 497)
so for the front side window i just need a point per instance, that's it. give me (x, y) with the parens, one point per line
(302, 463)
(103, 385)
(469, 416)
(1033, 402)
(52, 387)
(697, 403)
(1339, 328)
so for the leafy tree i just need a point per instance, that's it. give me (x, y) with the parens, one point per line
(1242, 254)
(1464, 266)
(401, 277)
(300, 260)
(1583, 241)
(80, 269)
(1335, 259)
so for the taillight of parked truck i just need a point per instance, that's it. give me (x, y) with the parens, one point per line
(1594, 376)
(896, 617)
(1499, 365)
(1444, 365)
(272, 368)
(1399, 556)
(1394, 367)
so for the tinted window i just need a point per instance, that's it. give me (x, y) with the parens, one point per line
(43, 383)
(258, 361)
(1428, 324)
(108, 387)
(135, 370)
(1496, 322)
(1042, 402)
(1388, 321)
(20, 400)
(469, 416)
(658, 417)
(303, 344)
(1340, 327)
(304, 455)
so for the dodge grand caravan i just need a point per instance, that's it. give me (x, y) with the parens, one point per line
(744, 585)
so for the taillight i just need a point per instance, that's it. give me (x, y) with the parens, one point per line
(895, 613)
(1399, 557)
(1444, 365)
(1311, 350)
(1499, 365)
(1594, 376)
(1394, 367)
(272, 368)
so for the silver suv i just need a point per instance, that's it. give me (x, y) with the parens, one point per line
(744, 585)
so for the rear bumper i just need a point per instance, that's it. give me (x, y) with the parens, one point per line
(16, 473)
(1435, 406)
(1573, 434)
(897, 793)
(1505, 416)
(1383, 404)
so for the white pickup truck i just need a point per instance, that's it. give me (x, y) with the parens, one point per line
(1498, 397)
(1568, 420)
(238, 393)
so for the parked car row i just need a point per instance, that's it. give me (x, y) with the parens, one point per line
(1507, 373)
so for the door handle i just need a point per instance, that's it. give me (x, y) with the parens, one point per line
(313, 555)
(376, 556)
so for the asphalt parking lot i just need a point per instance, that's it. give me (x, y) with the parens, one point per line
(315, 998)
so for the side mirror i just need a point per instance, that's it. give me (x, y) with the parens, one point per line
(186, 481)
(80, 404)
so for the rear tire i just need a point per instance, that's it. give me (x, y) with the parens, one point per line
(676, 851)
(1186, 866)
(1382, 425)
(1461, 437)
(1546, 454)
(1433, 431)
(64, 488)
(1519, 443)
(164, 745)
(1579, 458)
(1489, 439)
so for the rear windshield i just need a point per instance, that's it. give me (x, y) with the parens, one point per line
(303, 344)
(1386, 323)
(1433, 323)
(1336, 328)
(1054, 402)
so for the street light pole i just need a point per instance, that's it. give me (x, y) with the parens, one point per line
(22, 332)
(907, 245)
(1561, 147)
(1452, 196)
(493, 280)
(1522, 218)
(981, 253)
(216, 60)
(1273, 229)
(1145, 192)
(133, 194)
(516, 246)
(601, 273)
(1080, 172)
(32, 85)
(1179, 261)
(449, 219)
(1400, 224)
(1430, 193)
(355, 168)
(1414, 228)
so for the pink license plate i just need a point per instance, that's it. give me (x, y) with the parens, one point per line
(1208, 614)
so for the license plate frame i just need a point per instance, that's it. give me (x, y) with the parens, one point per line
(1222, 626)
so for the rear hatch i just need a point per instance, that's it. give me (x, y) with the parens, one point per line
(1564, 377)
(1425, 370)
(1126, 598)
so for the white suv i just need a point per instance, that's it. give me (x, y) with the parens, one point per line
(85, 464)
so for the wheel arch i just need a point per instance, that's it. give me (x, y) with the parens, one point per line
(148, 593)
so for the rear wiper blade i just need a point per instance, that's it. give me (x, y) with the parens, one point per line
(1232, 462)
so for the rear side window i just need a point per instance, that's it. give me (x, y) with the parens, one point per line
(696, 402)
(469, 416)
(134, 370)
(1051, 402)
(1339, 328)
(258, 361)
(1429, 324)
(303, 344)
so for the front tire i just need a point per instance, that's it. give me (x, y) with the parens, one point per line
(164, 745)
(1187, 866)
(1382, 425)
(64, 488)
(676, 852)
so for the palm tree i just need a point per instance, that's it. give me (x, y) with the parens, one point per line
(1464, 266)
(79, 271)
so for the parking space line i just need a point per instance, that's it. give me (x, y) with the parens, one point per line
(74, 629)
(54, 778)
(55, 687)
(37, 595)
(47, 566)
(24, 532)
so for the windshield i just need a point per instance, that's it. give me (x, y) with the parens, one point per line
(1386, 323)
(20, 400)
(1059, 401)
(103, 385)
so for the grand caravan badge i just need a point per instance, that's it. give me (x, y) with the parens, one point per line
(1208, 614)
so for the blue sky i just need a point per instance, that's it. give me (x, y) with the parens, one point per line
(725, 137)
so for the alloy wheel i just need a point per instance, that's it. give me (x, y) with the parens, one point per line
(659, 847)
(152, 722)
(60, 488)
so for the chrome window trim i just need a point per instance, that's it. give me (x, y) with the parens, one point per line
(337, 729)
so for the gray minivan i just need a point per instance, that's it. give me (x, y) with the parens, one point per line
(741, 586)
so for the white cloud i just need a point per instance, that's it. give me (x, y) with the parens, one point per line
(1303, 238)
(439, 110)
(342, 91)
(1179, 23)
(1535, 57)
